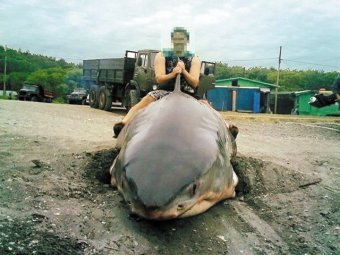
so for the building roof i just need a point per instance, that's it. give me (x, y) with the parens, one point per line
(261, 83)
(303, 92)
(7, 92)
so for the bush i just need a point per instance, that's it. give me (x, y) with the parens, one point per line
(59, 100)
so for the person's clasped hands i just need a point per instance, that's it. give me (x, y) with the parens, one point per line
(179, 68)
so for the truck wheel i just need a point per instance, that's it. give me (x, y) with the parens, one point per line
(134, 97)
(108, 101)
(131, 98)
(83, 102)
(105, 99)
(102, 98)
(34, 99)
(93, 99)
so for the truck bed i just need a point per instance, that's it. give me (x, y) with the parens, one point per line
(112, 70)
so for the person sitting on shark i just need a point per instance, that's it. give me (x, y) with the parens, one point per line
(168, 64)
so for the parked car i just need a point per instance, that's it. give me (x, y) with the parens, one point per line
(78, 96)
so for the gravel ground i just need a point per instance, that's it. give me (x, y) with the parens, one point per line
(55, 197)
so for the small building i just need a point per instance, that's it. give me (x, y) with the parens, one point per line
(10, 94)
(241, 94)
(302, 106)
(297, 102)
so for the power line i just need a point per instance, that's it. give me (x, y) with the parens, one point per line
(253, 59)
(284, 61)
(309, 63)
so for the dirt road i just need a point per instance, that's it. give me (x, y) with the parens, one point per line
(55, 198)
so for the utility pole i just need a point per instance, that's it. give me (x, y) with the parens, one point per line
(277, 80)
(5, 70)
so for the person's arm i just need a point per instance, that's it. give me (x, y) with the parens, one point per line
(160, 74)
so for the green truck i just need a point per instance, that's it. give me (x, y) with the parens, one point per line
(124, 81)
(36, 93)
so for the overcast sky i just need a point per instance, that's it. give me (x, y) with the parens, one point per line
(236, 32)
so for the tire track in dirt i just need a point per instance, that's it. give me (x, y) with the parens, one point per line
(265, 236)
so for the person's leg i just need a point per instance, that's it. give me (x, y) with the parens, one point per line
(140, 105)
(149, 98)
(131, 114)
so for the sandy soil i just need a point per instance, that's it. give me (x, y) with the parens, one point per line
(55, 197)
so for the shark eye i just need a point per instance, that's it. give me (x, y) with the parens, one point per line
(194, 189)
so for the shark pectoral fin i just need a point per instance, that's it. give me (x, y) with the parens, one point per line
(230, 191)
(235, 179)
(112, 173)
(113, 182)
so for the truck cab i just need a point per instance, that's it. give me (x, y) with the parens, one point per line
(143, 78)
(145, 70)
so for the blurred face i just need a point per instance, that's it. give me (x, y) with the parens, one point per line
(179, 41)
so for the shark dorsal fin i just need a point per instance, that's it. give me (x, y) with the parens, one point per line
(178, 83)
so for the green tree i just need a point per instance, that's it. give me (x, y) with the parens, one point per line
(59, 80)
(290, 80)
(16, 79)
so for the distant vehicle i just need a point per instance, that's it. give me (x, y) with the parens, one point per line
(10, 94)
(13, 95)
(36, 93)
(78, 96)
(124, 81)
